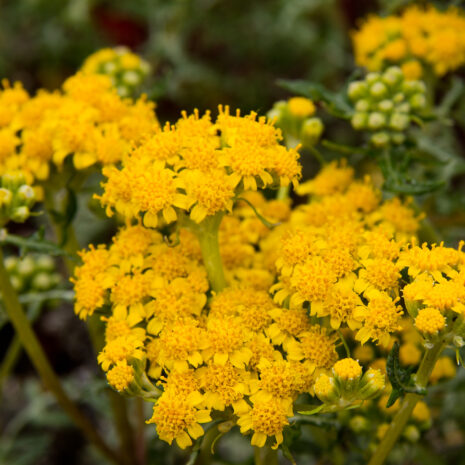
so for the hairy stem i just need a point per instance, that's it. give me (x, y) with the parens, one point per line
(39, 359)
(402, 416)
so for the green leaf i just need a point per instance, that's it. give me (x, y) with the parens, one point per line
(35, 243)
(400, 379)
(412, 187)
(335, 103)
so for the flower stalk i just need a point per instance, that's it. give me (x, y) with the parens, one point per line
(36, 354)
(207, 235)
(402, 416)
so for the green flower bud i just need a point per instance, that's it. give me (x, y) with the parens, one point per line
(131, 78)
(359, 424)
(371, 384)
(376, 120)
(12, 180)
(26, 194)
(417, 101)
(10, 263)
(109, 67)
(397, 138)
(380, 139)
(392, 76)
(26, 266)
(362, 105)
(372, 77)
(45, 263)
(6, 197)
(357, 90)
(378, 90)
(411, 433)
(385, 105)
(311, 131)
(20, 214)
(42, 281)
(399, 121)
(16, 282)
(403, 108)
(359, 120)
(398, 98)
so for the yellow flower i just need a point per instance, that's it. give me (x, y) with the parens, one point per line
(379, 318)
(177, 418)
(301, 107)
(121, 375)
(119, 350)
(347, 369)
(266, 419)
(430, 321)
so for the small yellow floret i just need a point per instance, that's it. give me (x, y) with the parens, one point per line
(347, 368)
(300, 107)
(430, 321)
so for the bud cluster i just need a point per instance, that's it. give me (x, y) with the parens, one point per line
(347, 384)
(32, 273)
(126, 69)
(385, 103)
(295, 117)
(16, 198)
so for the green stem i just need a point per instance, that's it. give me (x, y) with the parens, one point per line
(39, 359)
(141, 443)
(403, 414)
(265, 456)
(207, 235)
(123, 427)
(14, 350)
(283, 193)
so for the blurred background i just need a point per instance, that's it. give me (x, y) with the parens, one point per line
(202, 52)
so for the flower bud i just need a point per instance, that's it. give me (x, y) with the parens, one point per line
(385, 105)
(5, 197)
(378, 90)
(411, 433)
(359, 120)
(359, 424)
(371, 384)
(325, 389)
(376, 120)
(399, 121)
(380, 139)
(312, 128)
(398, 138)
(372, 77)
(356, 90)
(26, 266)
(26, 194)
(20, 214)
(393, 75)
(42, 281)
(362, 105)
(417, 101)
(131, 78)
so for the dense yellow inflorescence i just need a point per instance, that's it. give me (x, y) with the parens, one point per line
(87, 120)
(248, 352)
(416, 38)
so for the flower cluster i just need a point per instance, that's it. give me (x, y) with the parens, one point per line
(16, 198)
(87, 120)
(244, 354)
(296, 119)
(126, 70)
(385, 104)
(32, 272)
(198, 167)
(418, 37)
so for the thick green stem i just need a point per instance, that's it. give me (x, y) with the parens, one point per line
(207, 235)
(39, 359)
(265, 456)
(402, 416)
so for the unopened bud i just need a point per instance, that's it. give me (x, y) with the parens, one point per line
(385, 105)
(20, 214)
(378, 90)
(358, 424)
(362, 105)
(411, 433)
(376, 120)
(380, 139)
(312, 128)
(399, 121)
(26, 194)
(356, 90)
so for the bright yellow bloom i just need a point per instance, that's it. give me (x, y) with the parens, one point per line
(430, 321)
(347, 369)
(301, 107)
(121, 375)
(177, 418)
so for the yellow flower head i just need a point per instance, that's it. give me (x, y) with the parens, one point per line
(347, 369)
(430, 321)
